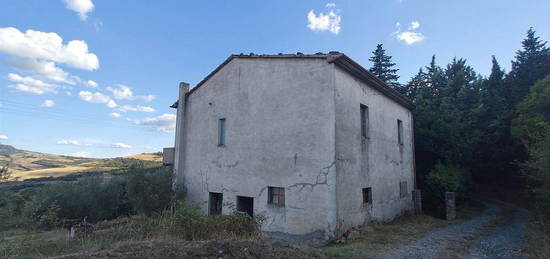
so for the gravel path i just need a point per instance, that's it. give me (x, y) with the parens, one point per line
(502, 242)
(505, 241)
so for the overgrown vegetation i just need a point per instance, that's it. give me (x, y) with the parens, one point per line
(131, 206)
(442, 179)
(139, 191)
(186, 224)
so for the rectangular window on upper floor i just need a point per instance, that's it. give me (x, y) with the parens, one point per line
(221, 132)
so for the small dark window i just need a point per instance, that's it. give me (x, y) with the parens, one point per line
(364, 121)
(276, 196)
(246, 205)
(367, 196)
(221, 132)
(215, 203)
(400, 132)
(403, 189)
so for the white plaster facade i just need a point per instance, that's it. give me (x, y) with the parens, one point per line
(294, 121)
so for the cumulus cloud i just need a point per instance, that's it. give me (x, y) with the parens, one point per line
(48, 103)
(82, 7)
(3, 137)
(165, 122)
(115, 114)
(46, 69)
(124, 92)
(91, 84)
(121, 145)
(325, 22)
(97, 97)
(410, 36)
(30, 84)
(47, 46)
(72, 143)
(136, 108)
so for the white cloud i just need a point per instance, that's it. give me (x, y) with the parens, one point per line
(28, 80)
(324, 22)
(47, 69)
(136, 108)
(47, 46)
(410, 36)
(125, 92)
(48, 103)
(97, 97)
(165, 122)
(91, 84)
(115, 114)
(330, 5)
(82, 7)
(30, 84)
(72, 143)
(27, 89)
(121, 145)
(81, 154)
(3, 137)
(414, 25)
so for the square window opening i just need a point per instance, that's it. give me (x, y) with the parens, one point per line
(276, 196)
(246, 205)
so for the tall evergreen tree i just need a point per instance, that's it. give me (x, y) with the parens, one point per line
(382, 67)
(531, 63)
(491, 122)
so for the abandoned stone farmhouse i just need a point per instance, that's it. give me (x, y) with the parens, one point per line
(314, 143)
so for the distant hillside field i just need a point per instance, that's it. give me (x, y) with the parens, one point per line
(27, 164)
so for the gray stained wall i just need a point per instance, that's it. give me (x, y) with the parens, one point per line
(295, 123)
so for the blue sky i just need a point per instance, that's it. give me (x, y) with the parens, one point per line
(138, 51)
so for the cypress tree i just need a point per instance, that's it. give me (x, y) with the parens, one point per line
(382, 67)
(531, 63)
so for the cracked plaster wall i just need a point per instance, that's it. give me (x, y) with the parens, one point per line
(279, 132)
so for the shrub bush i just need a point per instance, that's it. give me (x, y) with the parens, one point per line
(190, 224)
(143, 191)
(443, 178)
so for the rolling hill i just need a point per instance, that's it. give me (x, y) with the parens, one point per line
(25, 164)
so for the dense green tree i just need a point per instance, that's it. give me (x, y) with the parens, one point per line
(532, 129)
(383, 67)
(531, 64)
(492, 118)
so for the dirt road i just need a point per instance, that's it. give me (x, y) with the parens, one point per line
(498, 233)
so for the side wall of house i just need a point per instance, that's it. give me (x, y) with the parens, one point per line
(279, 120)
(378, 162)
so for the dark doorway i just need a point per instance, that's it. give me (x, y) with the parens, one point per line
(245, 204)
(215, 203)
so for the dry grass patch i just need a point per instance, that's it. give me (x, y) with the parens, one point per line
(56, 172)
